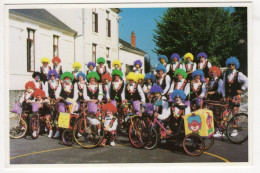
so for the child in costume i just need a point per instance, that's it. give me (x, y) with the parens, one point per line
(117, 65)
(106, 80)
(163, 79)
(204, 64)
(189, 66)
(163, 61)
(215, 84)
(101, 68)
(80, 85)
(149, 81)
(76, 66)
(174, 65)
(137, 67)
(110, 123)
(44, 69)
(56, 65)
(140, 80)
(91, 67)
(38, 80)
(52, 85)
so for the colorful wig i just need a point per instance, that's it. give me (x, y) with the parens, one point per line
(30, 84)
(198, 72)
(101, 59)
(76, 64)
(117, 72)
(131, 76)
(93, 74)
(39, 92)
(149, 76)
(164, 57)
(138, 62)
(156, 89)
(180, 71)
(116, 62)
(37, 74)
(44, 59)
(109, 107)
(91, 63)
(215, 68)
(233, 60)
(81, 74)
(106, 76)
(140, 76)
(178, 93)
(175, 55)
(161, 67)
(56, 59)
(188, 55)
(53, 72)
(67, 74)
(202, 54)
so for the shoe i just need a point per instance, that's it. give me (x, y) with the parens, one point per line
(234, 133)
(217, 134)
(50, 134)
(163, 141)
(34, 133)
(57, 134)
(45, 129)
(112, 143)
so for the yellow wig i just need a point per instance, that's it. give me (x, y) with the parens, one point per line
(116, 62)
(188, 55)
(131, 76)
(140, 76)
(76, 64)
(44, 59)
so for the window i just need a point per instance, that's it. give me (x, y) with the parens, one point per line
(30, 50)
(109, 64)
(94, 52)
(107, 52)
(108, 25)
(55, 45)
(94, 22)
(129, 68)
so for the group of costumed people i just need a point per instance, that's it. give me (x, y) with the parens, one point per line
(174, 88)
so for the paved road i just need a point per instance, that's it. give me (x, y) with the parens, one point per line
(51, 151)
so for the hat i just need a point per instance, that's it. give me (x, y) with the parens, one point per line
(149, 76)
(44, 59)
(180, 71)
(52, 72)
(56, 59)
(117, 72)
(109, 107)
(233, 60)
(81, 74)
(202, 54)
(140, 76)
(39, 92)
(198, 72)
(30, 84)
(164, 57)
(188, 55)
(76, 64)
(101, 59)
(93, 74)
(67, 74)
(161, 67)
(179, 93)
(138, 62)
(91, 63)
(156, 89)
(42, 77)
(175, 55)
(106, 76)
(131, 76)
(116, 62)
(215, 68)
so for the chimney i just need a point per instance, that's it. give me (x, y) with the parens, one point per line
(133, 42)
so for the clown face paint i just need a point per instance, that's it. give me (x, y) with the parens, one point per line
(177, 100)
(76, 68)
(52, 77)
(29, 90)
(160, 73)
(162, 60)
(116, 66)
(214, 73)
(45, 64)
(91, 67)
(197, 77)
(188, 59)
(179, 76)
(80, 78)
(116, 78)
(174, 60)
(39, 97)
(92, 80)
(37, 78)
(137, 66)
(202, 59)
(66, 79)
(109, 113)
(56, 63)
(231, 66)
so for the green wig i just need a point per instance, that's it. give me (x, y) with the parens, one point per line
(182, 72)
(67, 74)
(94, 75)
(101, 59)
(117, 72)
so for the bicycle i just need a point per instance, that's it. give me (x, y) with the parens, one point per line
(233, 125)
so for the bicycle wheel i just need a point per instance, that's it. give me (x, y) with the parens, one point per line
(209, 141)
(88, 133)
(67, 137)
(153, 138)
(237, 129)
(138, 136)
(17, 127)
(34, 126)
(193, 144)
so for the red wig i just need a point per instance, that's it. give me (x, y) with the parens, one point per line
(109, 107)
(39, 92)
(215, 68)
(30, 84)
(56, 59)
(106, 76)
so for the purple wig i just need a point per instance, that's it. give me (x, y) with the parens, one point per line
(53, 72)
(202, 54)
(175, 55)
(156, 89)
(92, 63)
(138, 62)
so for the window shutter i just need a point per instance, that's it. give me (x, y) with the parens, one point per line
(96, 22)
(109, 28)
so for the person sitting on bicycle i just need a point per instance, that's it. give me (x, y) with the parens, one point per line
(44, 109)
(163, 79)
(197, 89)
(76, 66)
(80, 85)
(189, 66)
(110, 123)
(91, 67)
(106, 80)
(52, 85)
(215, 84)
(149, 81)
(174, 65)
(234, 82)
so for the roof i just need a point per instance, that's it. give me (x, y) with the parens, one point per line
(130, 47)
(42, 15)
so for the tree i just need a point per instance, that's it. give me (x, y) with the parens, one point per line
(147, 64)
(211, 30)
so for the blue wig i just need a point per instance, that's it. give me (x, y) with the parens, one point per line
(53, 72)
(179, 93)
(233, 60)
(164, 57)
(156, 89)
(198, 72)
(92, 63)
(149, 76)
(161, 67)
(81, 74)
(175, 55)
(202, 54)
(138, 62)
(194, 117)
